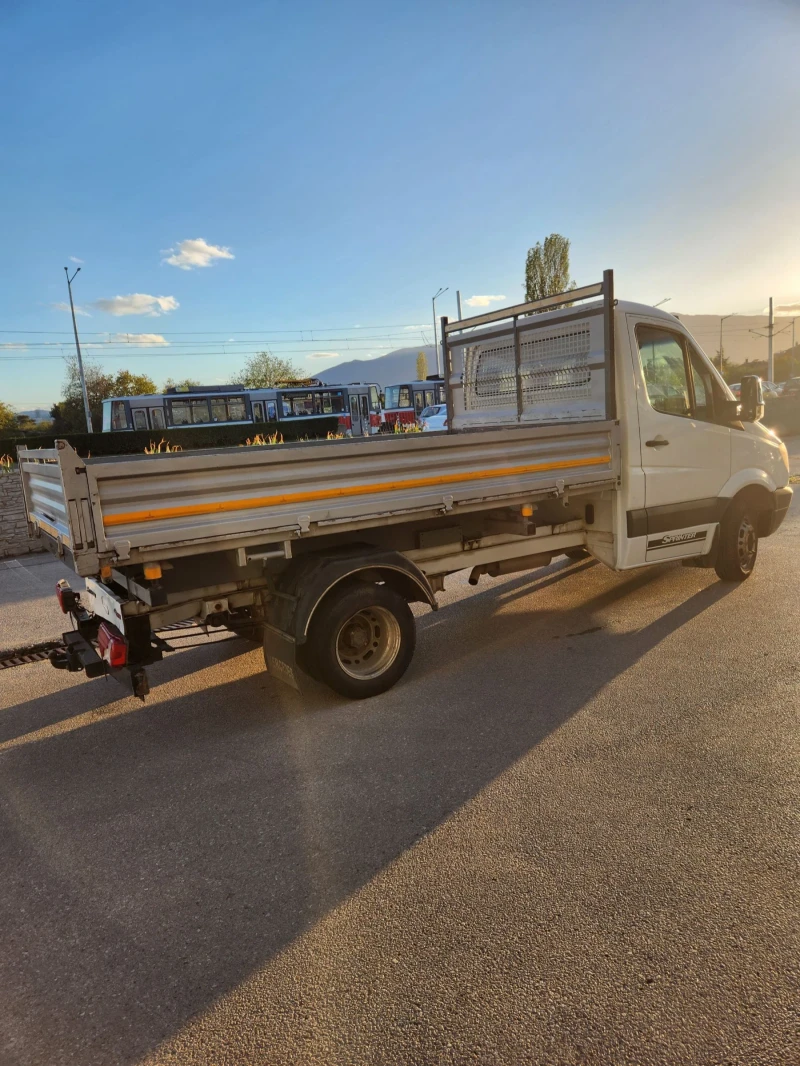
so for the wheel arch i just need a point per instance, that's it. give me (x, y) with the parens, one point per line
(313, 578)
(757, 487)
(762, 500)
(405, 583)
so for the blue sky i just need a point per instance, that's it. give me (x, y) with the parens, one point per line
(345, 160)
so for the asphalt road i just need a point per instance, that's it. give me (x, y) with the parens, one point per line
(570, 835)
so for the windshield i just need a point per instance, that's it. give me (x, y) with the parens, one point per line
(429, 411)
(397, 396)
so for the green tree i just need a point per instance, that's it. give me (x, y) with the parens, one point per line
(70, 417)
(68, 414)
(25, 423)
(263, 370)
(184, 383)
(422, 366)
(127, 384)
(547, 268)
(8, 417)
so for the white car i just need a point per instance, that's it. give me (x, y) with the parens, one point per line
(434, 417)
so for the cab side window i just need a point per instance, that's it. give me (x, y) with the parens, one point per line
(664, 369)
(703, 383)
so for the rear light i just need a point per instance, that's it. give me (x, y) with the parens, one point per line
(67, 599)
(113, 647)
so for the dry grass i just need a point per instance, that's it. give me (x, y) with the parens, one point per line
(259, 440)
(162, 446)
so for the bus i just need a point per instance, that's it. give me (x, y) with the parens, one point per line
(405, 403)
(356, 405)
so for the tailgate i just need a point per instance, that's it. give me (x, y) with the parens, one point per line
(57, 500)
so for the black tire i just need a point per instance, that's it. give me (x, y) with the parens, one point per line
(360, 641)
(576, 553)
(738, 542)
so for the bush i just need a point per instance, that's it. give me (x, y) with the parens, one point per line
(135, 442)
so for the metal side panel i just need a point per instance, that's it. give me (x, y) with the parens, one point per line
(184, 499)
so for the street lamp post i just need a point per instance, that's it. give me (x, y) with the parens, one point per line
(86, 408)
(791, 354)
(722, 319)
(435, 341)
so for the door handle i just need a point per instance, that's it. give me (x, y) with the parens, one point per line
(657, 442)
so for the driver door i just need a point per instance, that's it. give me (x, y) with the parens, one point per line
(685, 446)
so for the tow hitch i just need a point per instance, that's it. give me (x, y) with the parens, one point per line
(78, 654)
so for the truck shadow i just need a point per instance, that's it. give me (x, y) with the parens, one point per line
(154, 859)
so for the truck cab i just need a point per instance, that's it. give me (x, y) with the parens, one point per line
(691, 449)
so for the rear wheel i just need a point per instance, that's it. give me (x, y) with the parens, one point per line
(360, 641)
(738, 542)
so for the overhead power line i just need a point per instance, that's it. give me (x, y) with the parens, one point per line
(209, 332)
(127, 345)
(160, 353)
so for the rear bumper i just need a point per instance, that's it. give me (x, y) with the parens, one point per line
(782, 501)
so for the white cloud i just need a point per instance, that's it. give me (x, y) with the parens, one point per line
(14, 347)
(483, 301)
(62, 306)
(417, 328)
(785, 309)
(323, 355)
(137, 303)
(75, 259)
(140, 340)
(187, 255)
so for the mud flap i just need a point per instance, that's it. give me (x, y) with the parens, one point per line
(280, 659)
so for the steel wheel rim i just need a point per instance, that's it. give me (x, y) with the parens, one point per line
(368, 643)
(746, 545)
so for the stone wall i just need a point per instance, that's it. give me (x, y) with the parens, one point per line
(14, 539)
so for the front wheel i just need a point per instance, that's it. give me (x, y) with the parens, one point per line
(738, 543)
(361, 640)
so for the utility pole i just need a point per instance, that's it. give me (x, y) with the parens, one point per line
(770, 367)
(435, 340)
(722, 319)
(791, 354)
(458, 301)
(86, 408)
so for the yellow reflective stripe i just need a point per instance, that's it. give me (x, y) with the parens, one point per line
(153, 515)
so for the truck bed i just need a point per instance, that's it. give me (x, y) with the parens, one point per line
(128, 509)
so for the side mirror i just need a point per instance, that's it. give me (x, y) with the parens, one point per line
(751, 399)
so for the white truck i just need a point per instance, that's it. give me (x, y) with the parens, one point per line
(576, 424)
